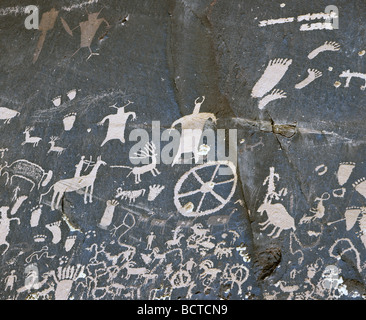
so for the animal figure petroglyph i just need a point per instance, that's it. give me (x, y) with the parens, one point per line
(221, 251)
(28, 171)
(349, 75)
(54, 148)
(131, 195)
(277, 215)
(75, 184)
(29, 139)
(148, 152)
(177, 236)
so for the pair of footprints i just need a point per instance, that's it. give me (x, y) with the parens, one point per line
(275, 71)
(54, 228)
(69, 118)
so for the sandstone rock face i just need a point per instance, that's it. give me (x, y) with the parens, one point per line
(182, 150)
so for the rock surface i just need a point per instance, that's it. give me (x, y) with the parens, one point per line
(278, 86)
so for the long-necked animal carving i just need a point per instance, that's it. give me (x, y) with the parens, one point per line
(75, 184)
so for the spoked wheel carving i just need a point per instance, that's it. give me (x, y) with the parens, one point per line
(189, 209)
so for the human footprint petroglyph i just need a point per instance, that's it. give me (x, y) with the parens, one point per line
(55, 229)
(327, 46)
(344, 172)
(272, 75)
(312, 75)
(360, 186)
(154, 192)
(276, 94)
(68, 121)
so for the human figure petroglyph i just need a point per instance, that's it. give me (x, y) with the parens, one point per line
(75, 184)
(277, 215)
(150, 238)
(271, 188)
(192, 128)
(190, 264)
(10, 280)
(177, 236)
(88, 30)
(319, 210)
(117, 123)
